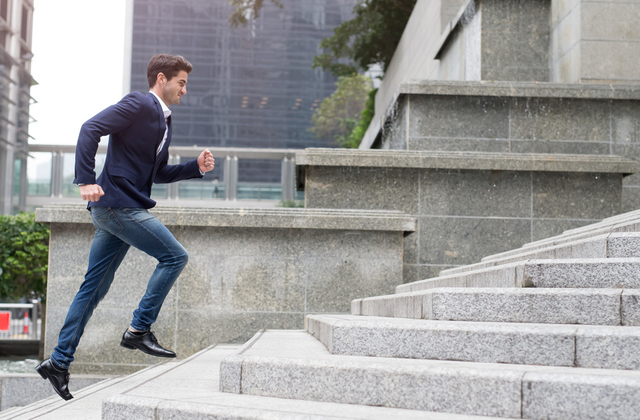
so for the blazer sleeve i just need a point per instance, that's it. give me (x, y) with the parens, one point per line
(111, 120)
(173, 173)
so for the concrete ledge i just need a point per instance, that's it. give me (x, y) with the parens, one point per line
(537, 162)
(488, 342)
(521, 89)
(251, 218)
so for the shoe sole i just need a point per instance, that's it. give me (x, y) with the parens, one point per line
(132, 347)
(46, 378)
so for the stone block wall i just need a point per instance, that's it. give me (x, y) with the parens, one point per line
(467, 204)
(248, 270)
(595, 41)
(519, 117)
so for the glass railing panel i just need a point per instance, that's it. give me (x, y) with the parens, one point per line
(39, 173)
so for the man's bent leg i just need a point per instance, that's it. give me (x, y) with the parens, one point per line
(107, 252)
(143, 231)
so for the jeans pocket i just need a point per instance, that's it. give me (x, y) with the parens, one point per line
(105, 219)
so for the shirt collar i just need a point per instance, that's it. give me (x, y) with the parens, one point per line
(165, 109)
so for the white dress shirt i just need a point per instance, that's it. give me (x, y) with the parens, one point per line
(167, 112)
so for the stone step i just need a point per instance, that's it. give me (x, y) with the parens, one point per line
(289, 364)
(561, 273)
(586, 232)
(522, 305)
(487, 342)
(613, 245)
(191, 391)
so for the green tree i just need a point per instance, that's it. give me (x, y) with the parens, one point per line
(371, 37)
(339, 114)
(24, 255)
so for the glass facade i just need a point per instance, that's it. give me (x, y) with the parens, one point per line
(250, 87)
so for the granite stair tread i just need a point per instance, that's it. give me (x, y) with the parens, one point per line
(611, 245)
(559, 273)
(293, 364)
(191, 391)
(488, 342)
(599, 306)
(629, 225)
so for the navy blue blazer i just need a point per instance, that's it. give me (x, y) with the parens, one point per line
(136, 127)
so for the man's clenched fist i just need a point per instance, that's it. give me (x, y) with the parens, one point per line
(91, 192)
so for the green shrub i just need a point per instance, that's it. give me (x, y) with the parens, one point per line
(24, 256)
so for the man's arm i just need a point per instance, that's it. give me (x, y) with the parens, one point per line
(111, 120)
(193, 169)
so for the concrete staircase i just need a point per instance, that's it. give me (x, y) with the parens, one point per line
(550, 330)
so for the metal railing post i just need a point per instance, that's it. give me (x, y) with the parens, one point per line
(231, 177)
(57, 163)
(34, 321)
(288, 175)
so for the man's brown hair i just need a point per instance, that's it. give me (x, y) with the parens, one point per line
(169, 65)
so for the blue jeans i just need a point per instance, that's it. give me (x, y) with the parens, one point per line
(116, 230)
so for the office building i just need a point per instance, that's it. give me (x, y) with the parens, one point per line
(251, 86)
(16, 17)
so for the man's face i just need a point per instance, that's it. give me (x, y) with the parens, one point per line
(175, 88)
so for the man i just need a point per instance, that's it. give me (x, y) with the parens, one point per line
(140, 133)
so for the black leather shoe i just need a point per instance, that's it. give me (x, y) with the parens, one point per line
(58, 377)
(146, 343)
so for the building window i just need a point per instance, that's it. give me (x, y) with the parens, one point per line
(24, 29)
(4, 9)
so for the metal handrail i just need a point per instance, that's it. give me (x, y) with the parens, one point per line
(229, 184)
(32, 327)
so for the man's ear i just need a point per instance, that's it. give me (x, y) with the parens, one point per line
(161, 78)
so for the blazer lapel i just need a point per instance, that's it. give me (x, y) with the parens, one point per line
(161, 124)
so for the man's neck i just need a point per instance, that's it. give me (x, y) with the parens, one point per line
(158, 93)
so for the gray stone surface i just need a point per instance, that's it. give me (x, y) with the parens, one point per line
(623, 245)
(313, 374)
(302, 370)
(244, 274)
(19, 390)
(446, 340)
(467, 204)
(521, 89)
(526, 305)
(610, 347)
(592, 307)
(608, 272)
(515, 40)
(630, 302)
(574, 395)
(470, 160)
(292, 218)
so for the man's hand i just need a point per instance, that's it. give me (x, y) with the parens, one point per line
(206, 161)
(91, 192)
